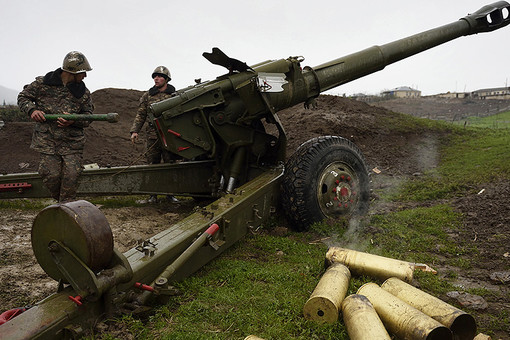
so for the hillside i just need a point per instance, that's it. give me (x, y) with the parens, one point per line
(449, 109)
(398, 154)
(8, 96)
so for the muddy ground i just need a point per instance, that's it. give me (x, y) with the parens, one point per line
(395, 155)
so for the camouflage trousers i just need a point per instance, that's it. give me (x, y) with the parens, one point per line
(155, 152)
(60, 175)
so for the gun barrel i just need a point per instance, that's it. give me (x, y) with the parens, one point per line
(109, 117)
(373, 59)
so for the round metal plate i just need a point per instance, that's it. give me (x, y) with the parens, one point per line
(338, 190)
(81, 227)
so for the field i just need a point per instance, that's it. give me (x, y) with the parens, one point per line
(440, 196)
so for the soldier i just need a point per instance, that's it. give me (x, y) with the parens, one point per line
(60, 143)
(154, 151)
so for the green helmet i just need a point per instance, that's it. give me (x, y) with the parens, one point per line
(162, 71)
(75, 62)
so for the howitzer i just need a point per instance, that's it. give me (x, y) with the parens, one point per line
(229, 133)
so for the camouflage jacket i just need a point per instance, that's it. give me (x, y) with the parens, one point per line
(149, 97)
(49, 95)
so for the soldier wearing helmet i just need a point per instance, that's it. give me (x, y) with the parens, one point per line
(60, 143)
(161, 90)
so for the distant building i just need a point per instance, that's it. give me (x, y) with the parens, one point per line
(492, 93)
(453, 95)
(402, 92)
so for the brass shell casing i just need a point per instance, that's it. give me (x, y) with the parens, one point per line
(401, 319)
(375, 266)
(325, 301)
(361, 319)
(460, 323)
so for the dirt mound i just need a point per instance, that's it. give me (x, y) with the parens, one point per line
(109, 144)
(357, 121)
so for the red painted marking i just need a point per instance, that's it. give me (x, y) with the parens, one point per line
(76, 300)
(212, 229)
(160, 132)
(144, 287)
(344, 192)
(175, 133)
(8, 315)
(14, 186)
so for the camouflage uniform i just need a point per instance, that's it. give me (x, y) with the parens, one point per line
(154, 151)
(61, 148)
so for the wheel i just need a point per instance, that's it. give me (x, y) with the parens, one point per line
(326, 178)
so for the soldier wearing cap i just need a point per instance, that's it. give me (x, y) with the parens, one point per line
(60, 143)
(160, 91)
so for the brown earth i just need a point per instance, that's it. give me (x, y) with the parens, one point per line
(395, 155)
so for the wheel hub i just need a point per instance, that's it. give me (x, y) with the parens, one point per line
(338, 190)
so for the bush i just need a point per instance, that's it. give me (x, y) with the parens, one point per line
(11, 113)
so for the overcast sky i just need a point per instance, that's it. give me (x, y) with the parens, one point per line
(125, 40)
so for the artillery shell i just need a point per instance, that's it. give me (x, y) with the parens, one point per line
(325, 301)
(361, 319)
(460, 323)
(401, 319)
(372, 265)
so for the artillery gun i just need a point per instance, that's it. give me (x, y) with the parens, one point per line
(233, 143)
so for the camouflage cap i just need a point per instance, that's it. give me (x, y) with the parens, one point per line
(75, 62)
(162, 71)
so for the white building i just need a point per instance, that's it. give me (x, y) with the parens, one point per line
(492, 93)
(402, 92)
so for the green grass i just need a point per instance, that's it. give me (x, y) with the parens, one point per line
(498, 121)
(118, 201)
(26, 204)
(415, 235)
(11, 113)
(469, 158)
(103, 201)
(399, 122)
(260, 285)
(278, 274)
(480, 156)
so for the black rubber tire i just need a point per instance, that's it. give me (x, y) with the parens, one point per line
(326, 178)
